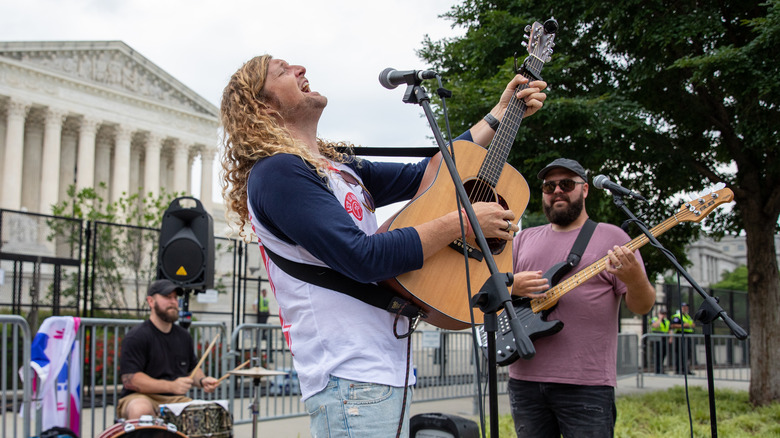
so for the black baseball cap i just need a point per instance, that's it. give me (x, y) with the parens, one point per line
(164, 287)
(564, 163)
(683, 304)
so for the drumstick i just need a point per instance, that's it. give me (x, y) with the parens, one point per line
(234, 369)
(200, 362)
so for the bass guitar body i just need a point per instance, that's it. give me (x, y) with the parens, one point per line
(440, 286)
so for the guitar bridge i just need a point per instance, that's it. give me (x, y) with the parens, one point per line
(472, 251)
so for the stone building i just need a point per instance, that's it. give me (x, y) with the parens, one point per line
(86, 112)
(89, 112)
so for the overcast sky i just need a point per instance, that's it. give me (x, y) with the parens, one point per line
(344, 44)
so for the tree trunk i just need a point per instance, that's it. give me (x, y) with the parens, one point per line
(764, 299)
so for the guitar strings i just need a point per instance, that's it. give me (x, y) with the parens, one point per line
(496, 157)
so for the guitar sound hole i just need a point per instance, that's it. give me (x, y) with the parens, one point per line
(481, 191)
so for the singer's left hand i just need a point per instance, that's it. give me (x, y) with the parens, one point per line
(533, 95)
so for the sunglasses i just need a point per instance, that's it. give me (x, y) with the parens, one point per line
(567, 185)
(368, 200)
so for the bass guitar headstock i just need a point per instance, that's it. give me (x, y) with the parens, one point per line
(699, 207)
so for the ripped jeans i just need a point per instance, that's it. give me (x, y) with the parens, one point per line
(347, 408)
(547, 410)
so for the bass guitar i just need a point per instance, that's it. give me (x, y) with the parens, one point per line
(533, 312)
(439, 287)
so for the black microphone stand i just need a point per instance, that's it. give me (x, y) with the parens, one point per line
(493, 295)
(707, 313)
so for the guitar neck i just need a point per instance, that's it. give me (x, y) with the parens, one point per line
(498, 152)
(555, 293)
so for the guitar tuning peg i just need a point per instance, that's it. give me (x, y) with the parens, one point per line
(527, 28)
(720, 186)
(705, 192)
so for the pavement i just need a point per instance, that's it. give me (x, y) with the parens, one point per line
(464, 407)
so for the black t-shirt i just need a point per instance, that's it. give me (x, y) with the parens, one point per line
(165, 356)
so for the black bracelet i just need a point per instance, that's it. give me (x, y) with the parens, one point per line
(492, 121)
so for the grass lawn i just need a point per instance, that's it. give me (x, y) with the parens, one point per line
(665, 414)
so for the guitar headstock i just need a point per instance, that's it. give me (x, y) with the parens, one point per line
(698, 208)
(540, 39)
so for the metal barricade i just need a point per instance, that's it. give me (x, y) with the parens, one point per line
(16, 394)
(675, 355)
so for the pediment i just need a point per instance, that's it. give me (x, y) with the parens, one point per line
(110, 64)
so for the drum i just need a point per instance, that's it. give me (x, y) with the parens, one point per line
(200, 419)
(144, 427)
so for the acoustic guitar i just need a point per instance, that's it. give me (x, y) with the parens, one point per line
(533, 312)
(439, 287)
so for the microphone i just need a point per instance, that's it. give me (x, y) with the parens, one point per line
(391, 78)
(602, 182)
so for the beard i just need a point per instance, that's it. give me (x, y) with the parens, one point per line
(170, 314)
(311, 105)
(563, 216)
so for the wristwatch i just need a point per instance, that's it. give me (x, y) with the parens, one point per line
(492, 121)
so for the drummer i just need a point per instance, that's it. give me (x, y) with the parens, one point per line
(157, 358)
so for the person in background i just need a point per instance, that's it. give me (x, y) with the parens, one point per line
(158, 357)
(660, 325)
(260, 306)
(568, 387)
(683, 344)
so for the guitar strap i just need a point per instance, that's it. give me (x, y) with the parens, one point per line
(369, 293)
(557, 271)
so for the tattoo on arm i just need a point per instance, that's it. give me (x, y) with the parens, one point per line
(127, 382)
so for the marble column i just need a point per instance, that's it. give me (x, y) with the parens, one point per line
(206, 174)
(85, 159)
(120, 178)
(14, 148)
(102, 169)
(180, 157)
(152, 164)
(50, 166)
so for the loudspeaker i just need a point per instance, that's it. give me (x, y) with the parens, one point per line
(434, 425)
(186, 252)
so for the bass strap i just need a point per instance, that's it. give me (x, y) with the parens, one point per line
(368, 293)
(557, 271)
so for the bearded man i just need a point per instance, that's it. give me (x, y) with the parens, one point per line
(568, 387)
(158, 357)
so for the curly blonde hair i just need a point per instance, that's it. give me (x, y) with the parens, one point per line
(252, 131)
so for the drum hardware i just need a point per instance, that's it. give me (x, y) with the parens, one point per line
(256, 373)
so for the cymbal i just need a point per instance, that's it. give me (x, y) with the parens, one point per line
(256, 372)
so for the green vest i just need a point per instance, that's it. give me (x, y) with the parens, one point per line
(663, 327)
(262, 304)
(686, 319)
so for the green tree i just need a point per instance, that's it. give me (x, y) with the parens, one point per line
(734, 280)
(665, 98)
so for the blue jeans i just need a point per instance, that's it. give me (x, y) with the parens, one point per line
(543, 410)
(347, 408)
